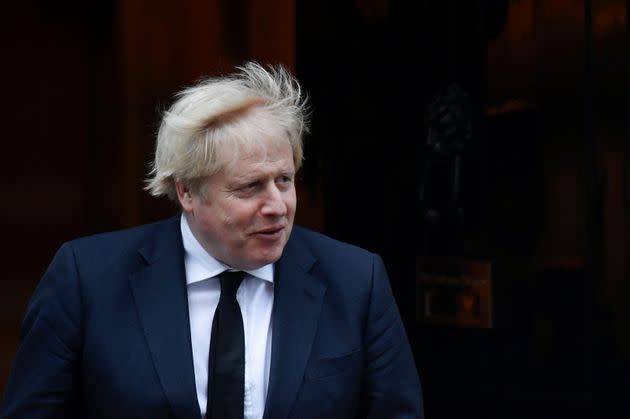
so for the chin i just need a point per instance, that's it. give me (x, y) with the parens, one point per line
(267, 258)
(270, 259)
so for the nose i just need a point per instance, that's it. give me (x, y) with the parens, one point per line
(274, 204)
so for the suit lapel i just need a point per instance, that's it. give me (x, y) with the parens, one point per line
(298, 297)
(159, 291)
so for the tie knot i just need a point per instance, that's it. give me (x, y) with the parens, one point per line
(230, 281)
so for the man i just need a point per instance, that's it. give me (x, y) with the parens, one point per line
(157, 321)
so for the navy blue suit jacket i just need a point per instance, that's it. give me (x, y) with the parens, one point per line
(107, 335)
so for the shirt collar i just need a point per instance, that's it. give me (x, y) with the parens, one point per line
(201, 265)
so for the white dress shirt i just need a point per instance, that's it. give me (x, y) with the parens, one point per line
(255, 296)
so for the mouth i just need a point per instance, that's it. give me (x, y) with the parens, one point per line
(270, 233)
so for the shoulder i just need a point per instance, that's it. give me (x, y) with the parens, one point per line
(334, 255)
(321, 243)
(117, 238)
(118, 246)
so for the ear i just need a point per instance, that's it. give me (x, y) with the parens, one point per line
(184, 196)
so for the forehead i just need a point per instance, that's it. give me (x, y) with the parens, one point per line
(272, 154)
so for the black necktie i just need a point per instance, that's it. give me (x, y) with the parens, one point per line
(227, 353)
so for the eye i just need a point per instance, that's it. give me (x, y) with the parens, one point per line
(284, 180)
(250, 186)
(247, 189)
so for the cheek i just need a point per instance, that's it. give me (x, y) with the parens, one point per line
(215, 219)
(291, 202)
(241, 217)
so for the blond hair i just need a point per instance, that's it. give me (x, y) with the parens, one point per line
(219, 111)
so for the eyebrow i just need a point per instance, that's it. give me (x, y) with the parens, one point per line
(254, 176)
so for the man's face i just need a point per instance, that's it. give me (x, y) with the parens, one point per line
(247, 214)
